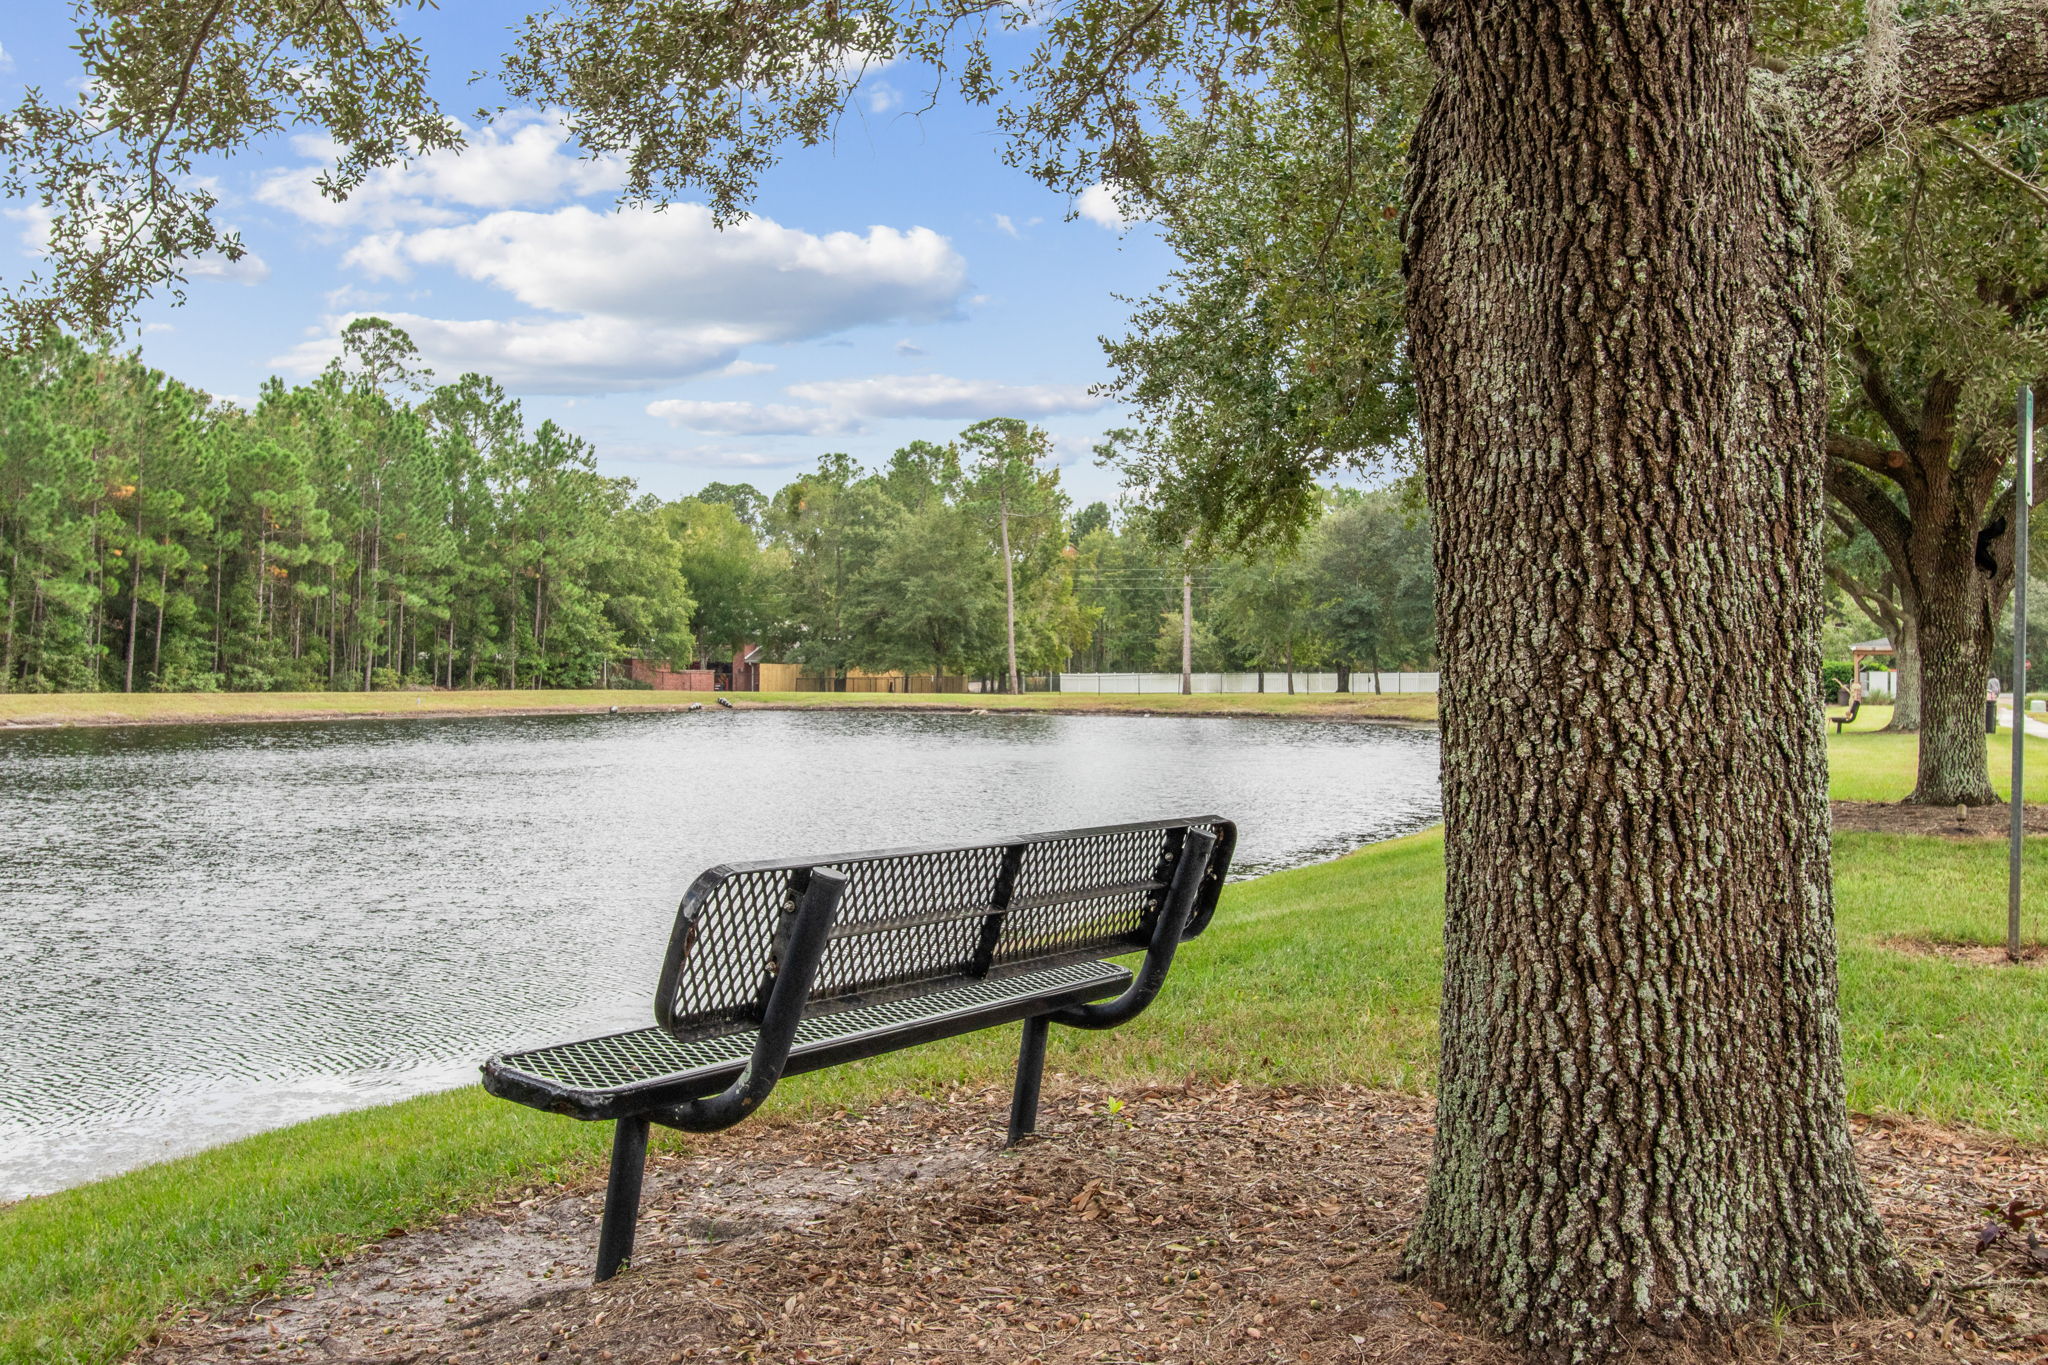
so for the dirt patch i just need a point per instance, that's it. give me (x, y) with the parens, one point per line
(1948, 822)
(1190, 1224)
(1975, 954)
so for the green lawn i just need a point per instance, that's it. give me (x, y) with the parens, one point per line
(1866, 765)
(1323, 973)
(1926, 1036)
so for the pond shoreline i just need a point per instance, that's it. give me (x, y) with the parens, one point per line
(102, 710)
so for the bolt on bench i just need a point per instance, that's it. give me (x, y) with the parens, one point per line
(777, 968)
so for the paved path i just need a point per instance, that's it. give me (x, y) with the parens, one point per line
(2035, 727)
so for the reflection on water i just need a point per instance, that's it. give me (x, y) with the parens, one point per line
(210, 930)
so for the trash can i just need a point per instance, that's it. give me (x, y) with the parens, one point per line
(1991, 715)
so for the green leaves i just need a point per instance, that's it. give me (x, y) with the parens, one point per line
(118, 172)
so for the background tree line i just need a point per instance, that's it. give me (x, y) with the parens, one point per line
(332, 536)
(367, 529)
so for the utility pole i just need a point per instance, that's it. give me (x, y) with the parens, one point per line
(2023, 501)
(1009, 582)
(1187, 628)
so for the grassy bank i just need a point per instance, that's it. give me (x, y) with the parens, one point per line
(1324, 973)
(189, 708)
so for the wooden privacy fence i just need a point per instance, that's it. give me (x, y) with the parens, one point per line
(879, 682)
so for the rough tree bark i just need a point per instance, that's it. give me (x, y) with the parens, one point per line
(1616, 298)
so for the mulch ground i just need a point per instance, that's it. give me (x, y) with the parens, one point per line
(1947, 822)
(1199, 1224)
(1974, 954)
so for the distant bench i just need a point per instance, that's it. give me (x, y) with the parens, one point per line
(1855, 705)
(776, 968)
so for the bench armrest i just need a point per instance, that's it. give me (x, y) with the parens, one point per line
(1166, 932)
(808, 932)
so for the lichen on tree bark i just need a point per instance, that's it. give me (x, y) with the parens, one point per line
(1617, 304)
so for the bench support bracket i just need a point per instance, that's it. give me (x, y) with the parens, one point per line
(622, 1195)
(1030, 1071)
(815, 912)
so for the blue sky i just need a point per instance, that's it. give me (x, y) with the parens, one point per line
(897, 285)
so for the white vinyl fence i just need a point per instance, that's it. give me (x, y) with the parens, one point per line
(1276, 681)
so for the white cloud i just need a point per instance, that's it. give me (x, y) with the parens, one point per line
(640, 298)
(35, 227)
(908, 347)
(381, 256)
(251, 269)
(349, 296)
(1100, 206)
(883, 97)
(538, 355)
(6, 59)
(841, 406)
(699, 457)
(674, 265)
(751, 419)
(1005, 225)
(938, 395)
(523, 160)
(739, 369)
(1070, 450)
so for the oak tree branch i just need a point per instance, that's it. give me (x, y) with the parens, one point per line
(1975, 59)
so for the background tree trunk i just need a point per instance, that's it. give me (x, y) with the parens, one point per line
(1906, 677)
(1616, 318)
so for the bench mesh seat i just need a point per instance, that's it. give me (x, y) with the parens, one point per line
(601, 1077)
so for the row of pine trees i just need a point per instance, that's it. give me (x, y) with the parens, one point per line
(368, 530)
(331, 536)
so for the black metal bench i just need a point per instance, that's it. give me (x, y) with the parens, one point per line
(777, 968)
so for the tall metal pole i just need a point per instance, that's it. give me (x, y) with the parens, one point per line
(2023, 499)
(1187, 633)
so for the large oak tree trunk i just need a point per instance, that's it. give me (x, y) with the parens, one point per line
(1617, 319)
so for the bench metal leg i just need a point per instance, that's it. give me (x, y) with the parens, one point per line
(622, 1195)
(1030, 1071)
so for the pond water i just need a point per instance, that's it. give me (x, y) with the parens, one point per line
(207, 931)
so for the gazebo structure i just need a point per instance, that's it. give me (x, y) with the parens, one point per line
(1866, 649)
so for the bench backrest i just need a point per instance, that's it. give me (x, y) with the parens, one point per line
(915, 921)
